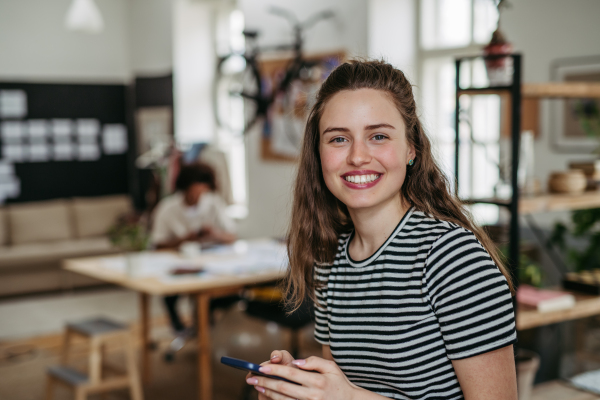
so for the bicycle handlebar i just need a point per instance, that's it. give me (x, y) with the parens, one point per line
(293, 20)
(313, 19)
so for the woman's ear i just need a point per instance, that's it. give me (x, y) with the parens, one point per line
(412, 154)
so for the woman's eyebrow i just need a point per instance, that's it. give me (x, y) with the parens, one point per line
(378, 126)
(336, 129)
(367, 128)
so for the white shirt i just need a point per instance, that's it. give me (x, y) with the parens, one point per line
(173, 219)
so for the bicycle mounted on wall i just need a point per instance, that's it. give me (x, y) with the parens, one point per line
(240, 98)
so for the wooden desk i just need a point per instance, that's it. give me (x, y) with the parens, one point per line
(203, 288)
(585, 306)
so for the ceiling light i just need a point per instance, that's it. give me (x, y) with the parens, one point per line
(84, 16)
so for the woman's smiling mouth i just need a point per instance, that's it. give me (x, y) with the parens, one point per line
(361, 179)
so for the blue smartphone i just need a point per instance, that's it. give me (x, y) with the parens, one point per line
(248, 366)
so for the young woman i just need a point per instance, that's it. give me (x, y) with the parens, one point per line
(411, 299)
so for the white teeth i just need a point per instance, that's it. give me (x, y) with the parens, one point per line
(361, 178)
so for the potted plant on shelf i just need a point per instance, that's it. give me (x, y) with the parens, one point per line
(130, 234)
(499, 69)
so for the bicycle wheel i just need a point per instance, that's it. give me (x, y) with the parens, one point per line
(237, 93)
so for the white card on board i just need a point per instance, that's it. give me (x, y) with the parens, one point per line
(13, 104)
(114, 139)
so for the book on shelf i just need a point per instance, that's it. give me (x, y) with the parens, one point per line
(544, 300)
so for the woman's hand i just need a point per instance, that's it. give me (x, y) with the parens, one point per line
(329, 383)
(280, 357)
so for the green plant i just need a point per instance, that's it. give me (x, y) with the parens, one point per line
(129, 234)
(585, 225)
(529, 272)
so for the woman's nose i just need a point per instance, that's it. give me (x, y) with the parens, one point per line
(359, 154)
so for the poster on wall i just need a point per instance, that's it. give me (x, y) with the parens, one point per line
(284, 128)
(576, 125)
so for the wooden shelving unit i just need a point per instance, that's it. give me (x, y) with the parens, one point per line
(548, 202)
(515, 95)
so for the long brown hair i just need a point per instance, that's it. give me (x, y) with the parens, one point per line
(318, 217)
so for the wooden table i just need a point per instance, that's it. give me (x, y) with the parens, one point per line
(202, 287)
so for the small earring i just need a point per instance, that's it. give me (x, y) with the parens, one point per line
(411, 162)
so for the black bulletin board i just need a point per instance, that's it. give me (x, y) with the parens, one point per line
(62, 179)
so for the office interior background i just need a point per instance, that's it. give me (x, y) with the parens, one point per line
(92, 116)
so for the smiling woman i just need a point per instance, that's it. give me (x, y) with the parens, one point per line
(411, 300)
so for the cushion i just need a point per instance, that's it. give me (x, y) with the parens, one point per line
(42, 221)
(95, 215)
(30, 253)
(3, 227)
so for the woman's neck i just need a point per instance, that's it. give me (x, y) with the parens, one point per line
(372, 227)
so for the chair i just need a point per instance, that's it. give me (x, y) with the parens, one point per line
(267, 303)
(98, 331)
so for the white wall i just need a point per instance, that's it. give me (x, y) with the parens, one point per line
(151, 34)
(35, 46)
(393, 35)
(270, 183)
(543, 31)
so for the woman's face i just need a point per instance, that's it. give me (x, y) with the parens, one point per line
(363, 148)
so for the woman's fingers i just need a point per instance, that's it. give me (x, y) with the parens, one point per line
(283, 357)
(276, 389)
(316, 364)
(279, 357)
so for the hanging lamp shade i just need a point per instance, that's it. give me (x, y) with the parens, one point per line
(84, 16)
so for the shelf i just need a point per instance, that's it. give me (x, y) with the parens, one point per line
(544, 90)
(547, 202)
(585, 306)
(561, 89)
(559, 202)
(486, 90)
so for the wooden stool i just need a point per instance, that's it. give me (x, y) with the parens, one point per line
(98, 331)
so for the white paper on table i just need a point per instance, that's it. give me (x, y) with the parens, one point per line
(12, 131)
(88, 152)
(151, 264)
(63, 151)
(114, 139)
(254, 258)
(13, 152)
(89, 128)
(62, 129)
(37, 130)
(13, 103)
(39, 152)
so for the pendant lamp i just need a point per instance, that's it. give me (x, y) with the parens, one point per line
(84, 16)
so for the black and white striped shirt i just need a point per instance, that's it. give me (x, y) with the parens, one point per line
(430, 294)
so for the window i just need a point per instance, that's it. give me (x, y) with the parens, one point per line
(448, 29)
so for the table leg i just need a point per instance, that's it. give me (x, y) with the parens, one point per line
(145, 336)
(204, 350)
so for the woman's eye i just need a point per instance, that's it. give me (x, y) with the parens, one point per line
(338, 140)
(379, 137)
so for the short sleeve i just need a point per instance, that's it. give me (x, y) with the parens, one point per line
(222, 220)
(165, 226)
(321, 314)
(469, 296)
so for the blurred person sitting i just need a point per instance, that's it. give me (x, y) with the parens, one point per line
(194, 213)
